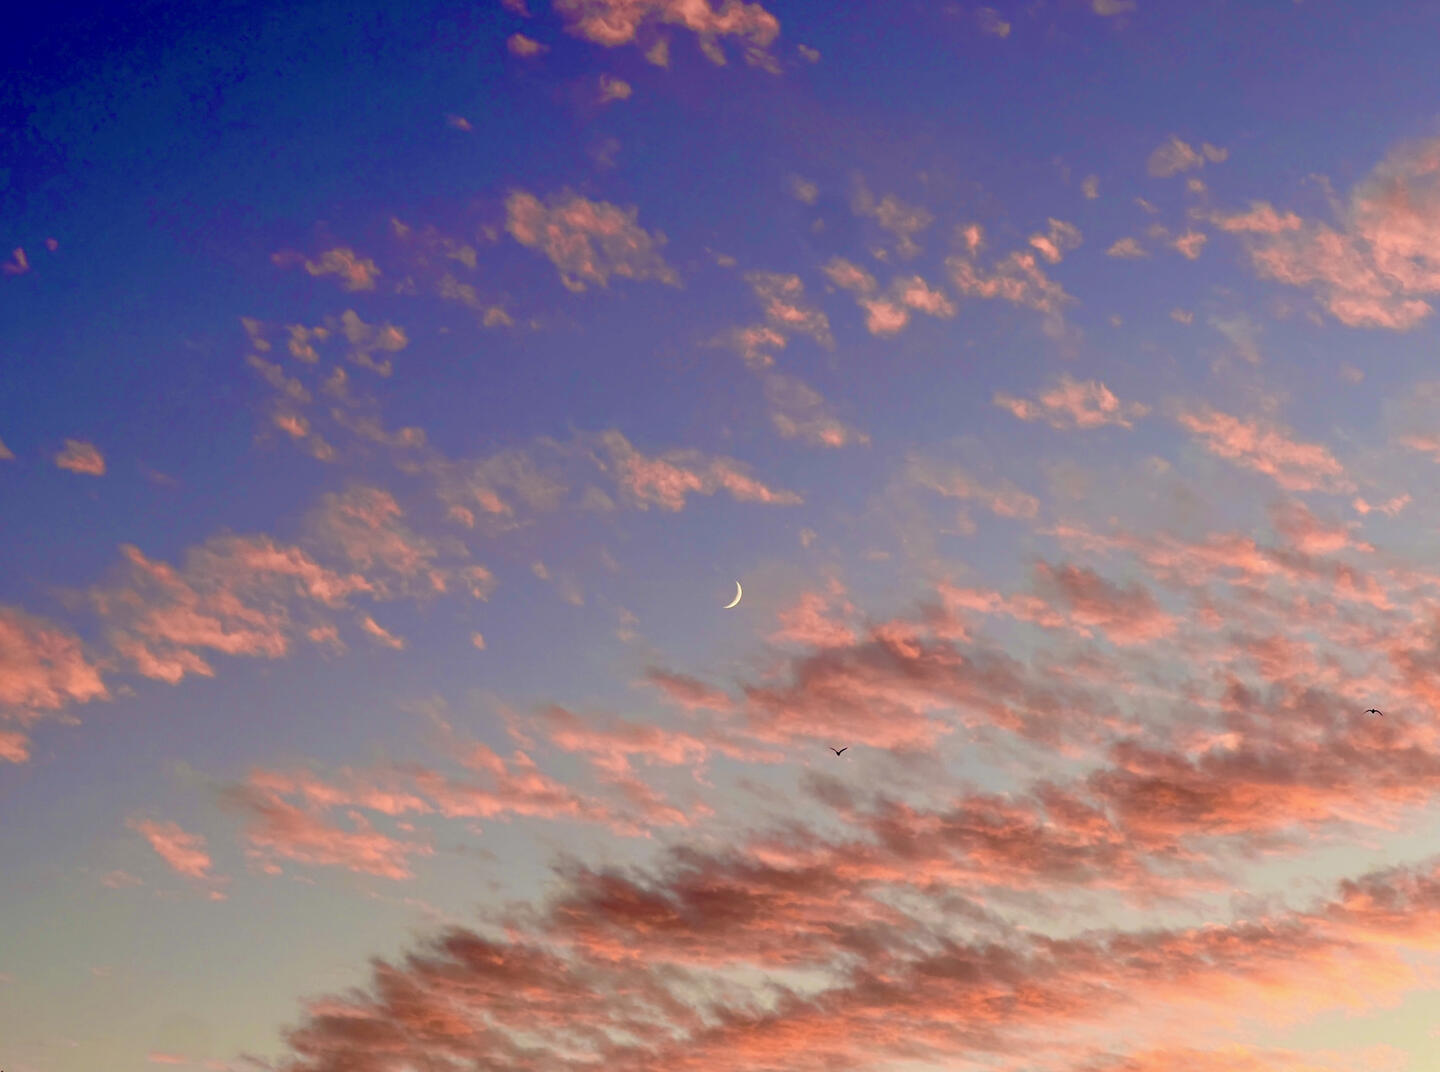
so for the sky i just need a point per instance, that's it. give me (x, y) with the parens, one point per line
(394, 395)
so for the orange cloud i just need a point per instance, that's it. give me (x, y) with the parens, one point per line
(1074, 404)
(1377, 267)
(1255, 445)
(1003, 498)
(799, 412)
(618, 22)
(354, 271)
(184, 852)
(687, 691)
(235, 595)
(588, 241)
(1175, 156)
(783, 297)
(666, 480)
(1015, 278)
(520, 45)
(81, 457)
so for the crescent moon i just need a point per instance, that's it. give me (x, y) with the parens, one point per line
(738, 593)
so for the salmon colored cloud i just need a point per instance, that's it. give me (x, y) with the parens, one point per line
(619, 22)
(81, 457)
(184, 852)
(1075, 404)
(1377, 266)
(588, 241)
(1267, 449)
(667, 480)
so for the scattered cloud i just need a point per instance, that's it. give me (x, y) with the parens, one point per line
(1175, 156)
(1075, 404)
(81, 457)
(786, 310)
(990, 22)
(588, 241)
(184, 852)
(1379, 265)
(621, 22)
(354, 271)
(520, 45)
(613, 89)
(1265, 448)
(666, 480)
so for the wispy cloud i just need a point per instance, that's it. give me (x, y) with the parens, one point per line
(81, 457)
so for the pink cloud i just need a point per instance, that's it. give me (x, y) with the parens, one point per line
(619, 22)
(667, 480)
(889, 312)
(1015, 278)
(799, 412)
(817, 620)
(42, 666)
(1127, 615)
(588, 241)
(14, 746)
(1175, 156)
(687, 691)
(1295, 466)
(354, 271)
(184, 852)
(1074, 404)
(783, 298)
(234, 595)
(1378, 266)
(1126, 248)
(591, 977)
(900, 219)
(81, 457)
(1057, 241)
(1190, 244)
(1003, 498)
(281, 831)
(381, 634)
(520, 45)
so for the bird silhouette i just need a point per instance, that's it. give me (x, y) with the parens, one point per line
(837, 751)
(1373, 711)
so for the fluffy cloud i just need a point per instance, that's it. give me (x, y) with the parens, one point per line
(619, 22)
(588, 241)
(354, 271)
(235, 595)
(43, 671)
(888, 312)
(1175, 156)
(1379, 266)
(783, 298)
(1016, 278)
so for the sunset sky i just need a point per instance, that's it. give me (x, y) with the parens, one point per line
(393, 393)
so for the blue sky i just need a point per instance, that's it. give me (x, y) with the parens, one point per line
(391, 396)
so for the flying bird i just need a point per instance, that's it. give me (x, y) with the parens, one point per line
(837, 751)
(1373, 711)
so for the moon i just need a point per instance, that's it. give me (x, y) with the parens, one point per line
(738, 593)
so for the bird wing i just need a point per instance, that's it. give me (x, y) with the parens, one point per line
(843, 749)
